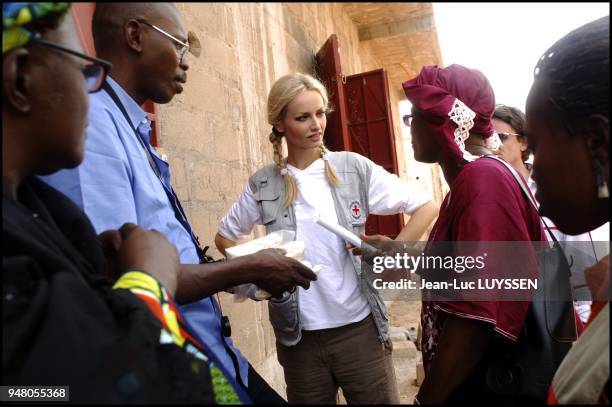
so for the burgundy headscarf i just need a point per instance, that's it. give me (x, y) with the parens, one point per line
(434, 93)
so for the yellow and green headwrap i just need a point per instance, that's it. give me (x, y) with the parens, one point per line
(23, 21)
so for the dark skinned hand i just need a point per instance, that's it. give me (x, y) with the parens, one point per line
(277, 273)
(134, 248)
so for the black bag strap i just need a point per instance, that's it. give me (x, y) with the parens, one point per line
(527, 193)
(179, 213)
(556, 246)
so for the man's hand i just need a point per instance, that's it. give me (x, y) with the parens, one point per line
(277, 273)
(380, 245)
(149, 251)
(380, 242)
(110, 242)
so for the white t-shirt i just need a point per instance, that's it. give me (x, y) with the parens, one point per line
(334, 299)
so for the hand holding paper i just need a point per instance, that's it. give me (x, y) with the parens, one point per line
(348, 236)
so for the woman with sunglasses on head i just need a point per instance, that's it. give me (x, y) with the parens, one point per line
(568, 110)
(103, 325)
(336, 333)
(509, 123)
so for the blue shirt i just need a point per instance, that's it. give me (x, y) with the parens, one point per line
(115, 184)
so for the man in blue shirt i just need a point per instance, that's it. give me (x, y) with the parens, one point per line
(122, 179)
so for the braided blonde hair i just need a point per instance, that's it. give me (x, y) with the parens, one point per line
(282, 93)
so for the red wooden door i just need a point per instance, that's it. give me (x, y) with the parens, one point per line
(82, 14)
(329, 72)
(371, 134)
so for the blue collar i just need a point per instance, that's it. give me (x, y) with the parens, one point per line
(136, 113)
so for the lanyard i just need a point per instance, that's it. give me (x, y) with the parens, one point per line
(179, 213)
(527, 193)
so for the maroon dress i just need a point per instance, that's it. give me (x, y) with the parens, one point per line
(485, 204)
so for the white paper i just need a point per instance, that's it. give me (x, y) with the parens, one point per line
(280, 239)
(340, 231)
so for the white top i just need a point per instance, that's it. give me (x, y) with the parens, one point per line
(579, 257)
(334, 299)
(584, 371)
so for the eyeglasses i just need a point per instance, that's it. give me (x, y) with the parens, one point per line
(505, 136)
(94, 73)
(181, 47)
(407, 118)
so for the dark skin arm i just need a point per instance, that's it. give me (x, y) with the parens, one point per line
(269, 269)
(460, 347)
(198, 281)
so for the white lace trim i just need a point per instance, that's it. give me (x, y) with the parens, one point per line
(463, 117)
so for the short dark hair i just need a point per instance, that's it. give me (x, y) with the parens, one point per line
(516, 119)
(109, 18)
(103, 24)
(578, 69)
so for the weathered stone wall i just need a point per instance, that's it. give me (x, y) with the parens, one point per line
(215, 134)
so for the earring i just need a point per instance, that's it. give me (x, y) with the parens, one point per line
(602, 185)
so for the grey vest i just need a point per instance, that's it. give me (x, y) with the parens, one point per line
(351, 203)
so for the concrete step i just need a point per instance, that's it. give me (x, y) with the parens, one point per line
(420, 371)
(404, 350)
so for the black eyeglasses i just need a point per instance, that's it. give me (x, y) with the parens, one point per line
(181, 47)
(94, 73)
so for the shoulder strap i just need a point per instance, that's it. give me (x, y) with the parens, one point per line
(518, 179)
(179, 213)
(526, 192)
(111, 92)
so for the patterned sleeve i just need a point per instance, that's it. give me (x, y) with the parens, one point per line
(174, 330)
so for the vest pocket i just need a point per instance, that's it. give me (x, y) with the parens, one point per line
(284, 318)
(269, 202)
(353, 199)
(381, 304)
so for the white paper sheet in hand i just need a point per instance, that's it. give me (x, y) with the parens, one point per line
(271, 240)
(282, 239)
(340, 231)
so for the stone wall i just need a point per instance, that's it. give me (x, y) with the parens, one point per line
(215, 134)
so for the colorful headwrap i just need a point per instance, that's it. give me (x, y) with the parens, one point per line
(459, 100)
(23, 21)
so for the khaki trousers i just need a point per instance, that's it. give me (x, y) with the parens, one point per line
(350, 357)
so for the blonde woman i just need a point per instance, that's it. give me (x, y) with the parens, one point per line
(336, 333)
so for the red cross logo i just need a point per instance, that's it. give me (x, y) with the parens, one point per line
(355, 209)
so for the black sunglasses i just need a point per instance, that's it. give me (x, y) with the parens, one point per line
(94, 73)
(505, 136)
